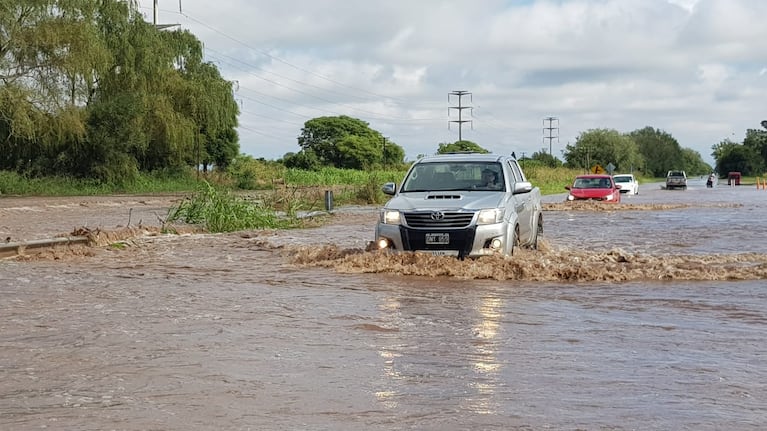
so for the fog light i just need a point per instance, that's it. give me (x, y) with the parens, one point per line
(495, 244)
(383, 243)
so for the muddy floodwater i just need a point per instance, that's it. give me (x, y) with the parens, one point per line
(649, 315)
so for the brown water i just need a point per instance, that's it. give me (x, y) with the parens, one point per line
(649, 316)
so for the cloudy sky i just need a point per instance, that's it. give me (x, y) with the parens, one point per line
(696, 69)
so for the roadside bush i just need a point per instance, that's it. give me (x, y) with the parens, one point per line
(248, 173)
(218, 210)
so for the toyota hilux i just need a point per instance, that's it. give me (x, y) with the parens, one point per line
(463, 205)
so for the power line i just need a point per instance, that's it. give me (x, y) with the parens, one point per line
(376, 96)
(371, 114)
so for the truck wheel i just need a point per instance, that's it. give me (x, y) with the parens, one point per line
(538, 231)
(515, 240)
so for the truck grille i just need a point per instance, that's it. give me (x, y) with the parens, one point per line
(439, 219)
(460, 239)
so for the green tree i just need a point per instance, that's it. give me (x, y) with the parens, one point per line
(356, 152)
(91, 89)
(603, 146)
(733, 157)
(47, 49)
(546, 159)
(305, 159)
(719, 150)
(460, 147)
(660, 151)
(757, 140)
(694, 164)
(393, 155)
(327, 138)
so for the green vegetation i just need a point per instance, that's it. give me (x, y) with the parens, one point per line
(748, 158)
(460, 147)
(218, 210)
(649, 151)
(92, 91)
(549, 180)
(12, 183)
(343, 142)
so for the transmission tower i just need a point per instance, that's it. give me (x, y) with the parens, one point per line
(551, 131)
(154, 17)
(460, 108)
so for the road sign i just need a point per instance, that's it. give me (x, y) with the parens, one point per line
(610, 168)
(597, 169)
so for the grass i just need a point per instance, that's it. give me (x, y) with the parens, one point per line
(12, 183)
(219, 210)
(551, 180)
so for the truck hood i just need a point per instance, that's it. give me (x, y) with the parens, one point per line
(469, 200)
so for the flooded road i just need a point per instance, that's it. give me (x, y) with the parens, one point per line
(649, 316)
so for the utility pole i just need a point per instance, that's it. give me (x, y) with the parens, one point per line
(460, 108)
(550, 129)
(383, 153)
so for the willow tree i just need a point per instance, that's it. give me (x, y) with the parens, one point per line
(205, 97)
(47, 52)
(180, 110)
(91, 89)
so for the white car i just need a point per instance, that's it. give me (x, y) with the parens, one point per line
(627, 183)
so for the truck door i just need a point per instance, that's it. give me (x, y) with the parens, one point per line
(522, 205)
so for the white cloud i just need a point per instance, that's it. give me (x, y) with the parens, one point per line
(693, 68)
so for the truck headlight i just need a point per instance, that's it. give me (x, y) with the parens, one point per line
(490, 216)
(390, 217)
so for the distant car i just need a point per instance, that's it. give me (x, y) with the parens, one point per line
(628, 184)
(733, 179)
(594, 187)
(676, 180)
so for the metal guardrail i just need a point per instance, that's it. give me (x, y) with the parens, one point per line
(10, 249)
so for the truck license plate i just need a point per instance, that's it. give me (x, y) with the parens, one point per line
(441, 252)
(437, 238)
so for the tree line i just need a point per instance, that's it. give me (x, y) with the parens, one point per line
(648, 150)
(347, 142)
(654, 152)
(91, 90)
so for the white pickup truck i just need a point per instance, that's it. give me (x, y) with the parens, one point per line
(463, 205)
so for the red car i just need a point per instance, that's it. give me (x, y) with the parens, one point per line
(594, 187)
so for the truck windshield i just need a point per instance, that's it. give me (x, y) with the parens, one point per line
(455, 176)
